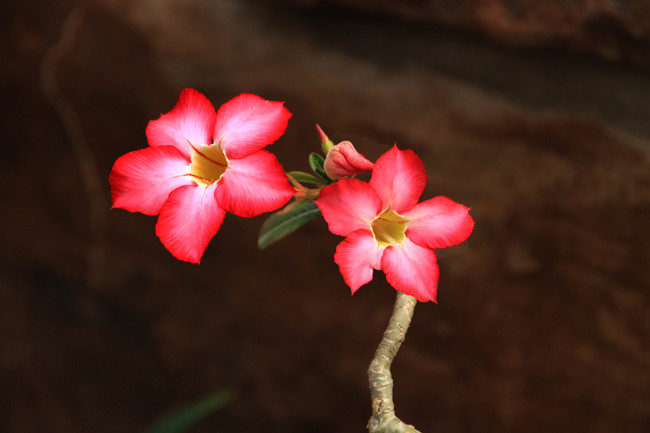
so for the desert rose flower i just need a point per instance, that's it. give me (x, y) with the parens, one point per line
(343, 160)
(387, 229)
(202, 163)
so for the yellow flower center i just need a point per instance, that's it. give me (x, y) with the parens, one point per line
(209, 163)
(389, 228)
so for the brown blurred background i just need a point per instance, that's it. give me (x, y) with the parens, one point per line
(534, 113)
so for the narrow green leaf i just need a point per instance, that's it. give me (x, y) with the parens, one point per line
(303, 177)
(316, 162)
(185, 418)
(284, 222)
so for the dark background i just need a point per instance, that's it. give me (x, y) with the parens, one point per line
(535, 114)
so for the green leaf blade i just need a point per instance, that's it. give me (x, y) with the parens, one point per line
(317, 164)
(282, 223)
(303, 177)
(187, 417)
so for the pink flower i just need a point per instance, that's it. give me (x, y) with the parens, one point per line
(387, 229)
(201, 164)
(343, 160)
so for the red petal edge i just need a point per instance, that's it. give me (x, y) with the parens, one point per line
(399, 179)
(412, 270)
(142, 180)
(190, 217)
(348, 205)
(191, 120)
(357, 256)
(438, 223)
(254, 185)
(247, 123)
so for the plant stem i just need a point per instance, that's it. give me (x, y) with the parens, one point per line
(383, 419)
(87, 161)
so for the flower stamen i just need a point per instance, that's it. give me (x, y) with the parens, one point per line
(208, 164)
(389, 228)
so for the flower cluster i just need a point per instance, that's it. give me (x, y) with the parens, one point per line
(202, 163)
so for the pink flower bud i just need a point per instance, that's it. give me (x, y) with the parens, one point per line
(344, 160)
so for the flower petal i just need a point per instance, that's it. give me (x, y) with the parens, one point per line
(254, 185)
(190, 217)
(399, 178)
(247, 123)
(192, 119)
(438, 223)
(348, 205)
(356, 256)
(142, 180)
(412, 269)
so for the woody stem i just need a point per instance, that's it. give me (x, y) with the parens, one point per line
(383, 419)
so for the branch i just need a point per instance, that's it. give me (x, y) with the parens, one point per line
(86, 159)
(383, 419)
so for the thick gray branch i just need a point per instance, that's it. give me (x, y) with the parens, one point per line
(383, 419)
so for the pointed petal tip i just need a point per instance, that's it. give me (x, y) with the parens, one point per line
(191, 119)
(188, 221)
(141, 180)
(357, 256)
(399, 177)
(439, 223)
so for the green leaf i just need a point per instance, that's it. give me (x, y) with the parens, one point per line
(286, 221)
(316, 162)
(185, 418)
(303, 177)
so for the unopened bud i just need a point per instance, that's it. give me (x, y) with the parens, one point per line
(343, 160)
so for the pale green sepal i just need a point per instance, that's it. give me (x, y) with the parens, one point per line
(325, 143)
